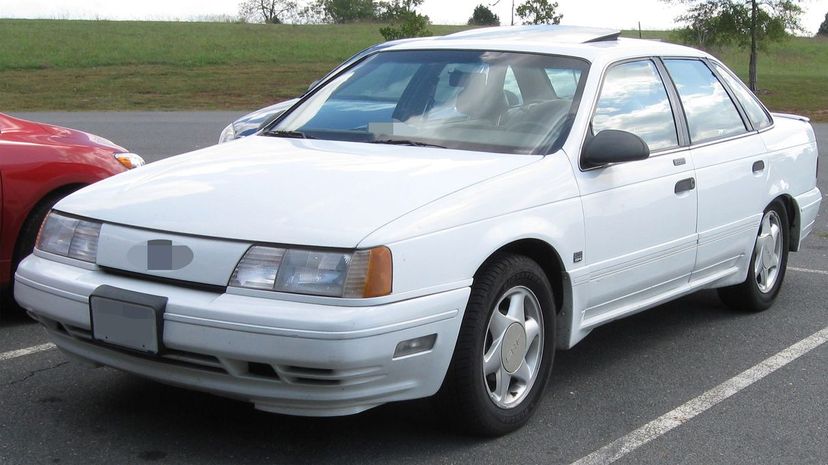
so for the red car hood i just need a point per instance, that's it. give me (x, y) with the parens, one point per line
(16, 130)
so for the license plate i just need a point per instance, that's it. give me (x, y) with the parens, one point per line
(127, 319)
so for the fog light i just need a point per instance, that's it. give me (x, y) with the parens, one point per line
(415, 346)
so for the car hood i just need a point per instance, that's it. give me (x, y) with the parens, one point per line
(289, 191)
(16, 130)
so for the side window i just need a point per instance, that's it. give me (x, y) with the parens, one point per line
(511, 89)
(756, 113)
(564, 81)
(710, 112)
(633, 99)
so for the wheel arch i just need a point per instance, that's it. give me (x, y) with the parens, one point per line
(550, 261)
(792, 210)
(61, 191)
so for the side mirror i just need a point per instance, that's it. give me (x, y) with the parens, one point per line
(613, 146)
(310, 88)
(270, 119)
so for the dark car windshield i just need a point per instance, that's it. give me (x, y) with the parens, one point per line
(469, 100)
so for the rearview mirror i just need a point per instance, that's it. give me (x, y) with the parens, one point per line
(614, 146)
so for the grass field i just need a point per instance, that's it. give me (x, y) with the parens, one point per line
(108, 65)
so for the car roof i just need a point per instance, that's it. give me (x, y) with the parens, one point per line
(566, 34)
(592, 44)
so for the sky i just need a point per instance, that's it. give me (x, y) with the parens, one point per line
(625, 14)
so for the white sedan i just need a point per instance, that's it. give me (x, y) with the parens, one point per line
(434, 220)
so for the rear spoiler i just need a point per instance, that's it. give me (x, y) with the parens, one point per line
(790, 116)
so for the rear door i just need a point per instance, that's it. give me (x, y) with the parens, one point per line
(731, 169)
(640, 217)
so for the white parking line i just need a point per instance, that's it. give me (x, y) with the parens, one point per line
(806, 270)
(27, 351)
(677, 417)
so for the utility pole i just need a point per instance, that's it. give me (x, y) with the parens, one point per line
(752, 65)
(513, 12)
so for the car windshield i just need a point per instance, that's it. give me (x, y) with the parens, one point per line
(469, 100)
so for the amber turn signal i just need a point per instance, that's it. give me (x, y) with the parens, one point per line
(379, 277)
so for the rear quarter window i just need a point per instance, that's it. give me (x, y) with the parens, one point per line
(564, 81)
(758, 116)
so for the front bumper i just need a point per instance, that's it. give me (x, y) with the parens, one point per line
(286, 357)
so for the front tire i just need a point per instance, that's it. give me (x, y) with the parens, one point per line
(504, 352)
(26, 240)
(767, 264)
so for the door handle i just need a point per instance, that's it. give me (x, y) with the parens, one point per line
(685, 185)
(758, 166)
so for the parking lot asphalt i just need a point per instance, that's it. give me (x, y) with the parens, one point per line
(621, 377)
(151, 134)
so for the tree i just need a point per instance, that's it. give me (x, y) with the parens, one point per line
(405, 21)
(703, 20)
(390, 9)
(539, 12)
(483, 16)
(747, 23)
(268, 11)
(348, 11)
(823, 28)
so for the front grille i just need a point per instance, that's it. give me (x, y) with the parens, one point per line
(159, 279)
(262, 370)
(173, 357)
(194, 359)
(275, 373)
(74, 331)
(328, 377)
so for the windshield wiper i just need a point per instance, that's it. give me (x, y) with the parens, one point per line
(289, 134)
(412, 143)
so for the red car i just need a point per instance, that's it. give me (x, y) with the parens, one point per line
(39, 165)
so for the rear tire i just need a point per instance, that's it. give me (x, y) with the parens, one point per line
(767, 264)
(504, 352)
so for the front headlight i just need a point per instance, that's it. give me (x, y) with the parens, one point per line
(129, 160)
(352, 274)
(69, 237)
(228, 134)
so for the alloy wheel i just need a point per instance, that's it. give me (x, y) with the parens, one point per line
(513, 347)
(768, 252)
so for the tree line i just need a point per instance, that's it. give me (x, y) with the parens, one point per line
(401, 16)
(708, 24)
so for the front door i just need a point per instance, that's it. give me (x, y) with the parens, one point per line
(640, 217)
